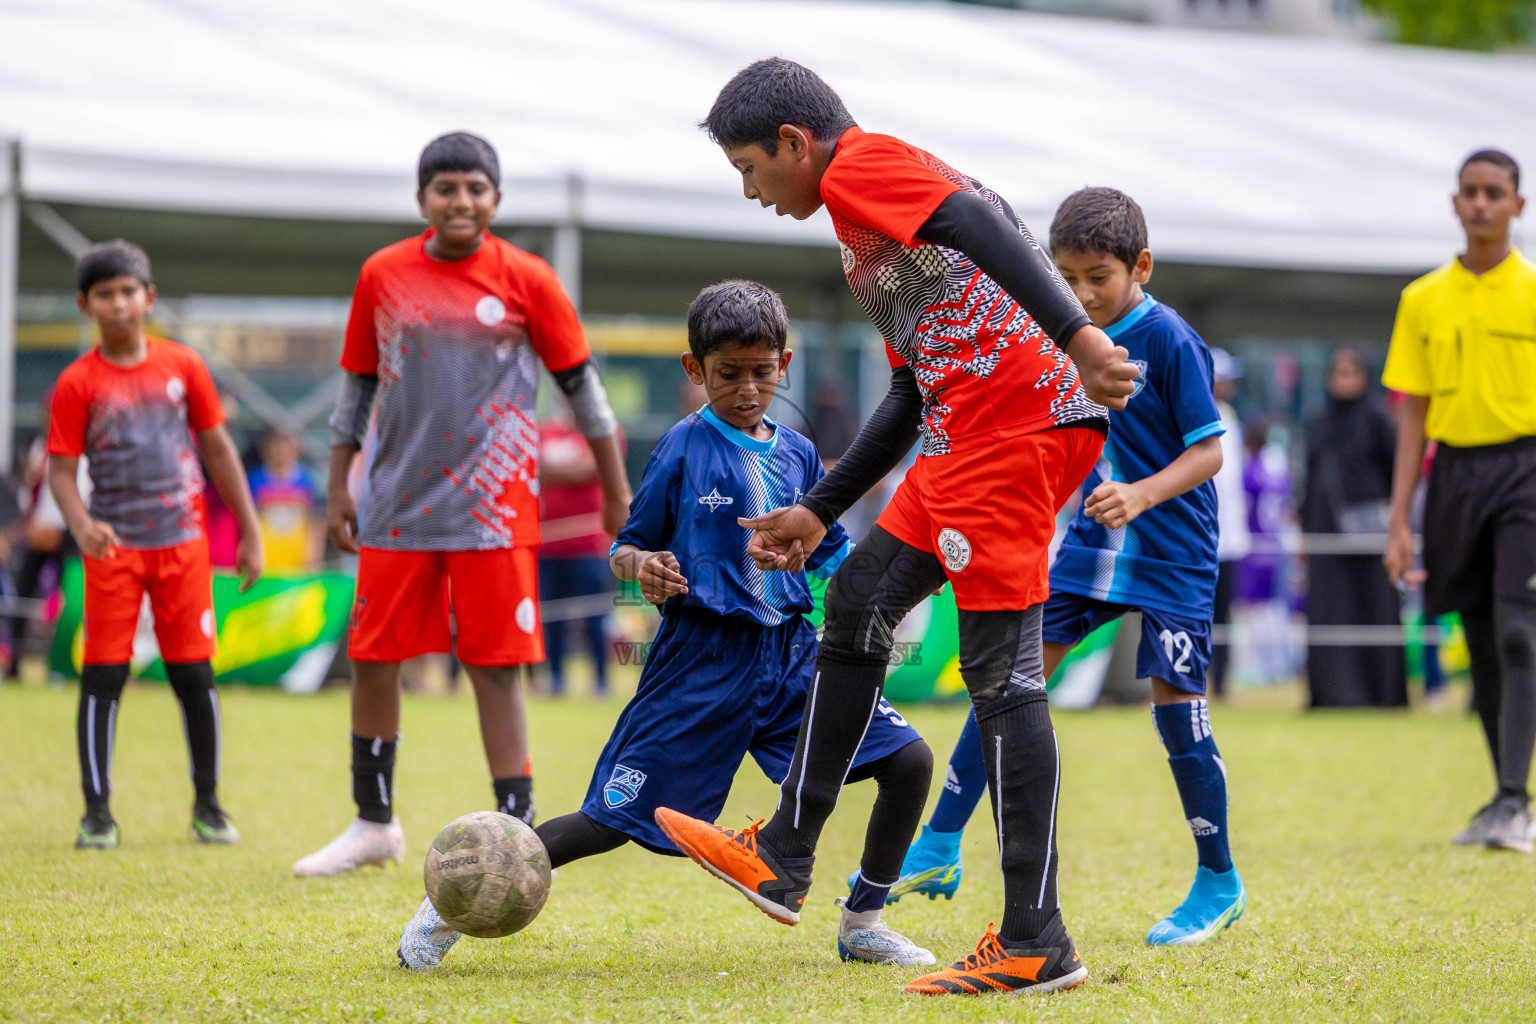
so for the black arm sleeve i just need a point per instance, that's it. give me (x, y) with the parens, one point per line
(1008, 254)
(890, 434)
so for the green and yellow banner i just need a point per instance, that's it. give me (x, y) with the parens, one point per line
(281, 632)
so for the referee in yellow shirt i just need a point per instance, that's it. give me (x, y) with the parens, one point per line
(1464, 351)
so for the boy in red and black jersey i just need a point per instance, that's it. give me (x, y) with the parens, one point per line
(132, 407)
(445, 340)
(980, 327)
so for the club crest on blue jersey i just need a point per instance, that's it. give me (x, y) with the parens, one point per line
(1141, 376)
(623, 786)
(714, 499)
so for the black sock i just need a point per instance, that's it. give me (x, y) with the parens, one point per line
(373, 777)
(1516, 631)
(514, 796)
(903, 777)
(1023, 778)
(192, 682)
(101, 688)
(844, 692)
(574, 836)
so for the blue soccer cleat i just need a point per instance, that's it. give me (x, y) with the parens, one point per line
(426, 939)
(1214, 903)
(931, 868)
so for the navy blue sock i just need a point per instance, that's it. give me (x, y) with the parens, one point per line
(866, 896)
(966, 781)
(1185, 730)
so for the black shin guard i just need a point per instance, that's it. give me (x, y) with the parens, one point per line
(574, 836)
(101, 688)
(903, 777)
(1024, 779)
(844, 693)
(1487, 675)
(1003, 664)
(1515, 626)
(373, 777)
(192, 682)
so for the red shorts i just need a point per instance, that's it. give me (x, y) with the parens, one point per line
(403, 597)
(989, 513)
(179, 582)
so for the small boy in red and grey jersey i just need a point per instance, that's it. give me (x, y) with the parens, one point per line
(446, 336)
(132, 406)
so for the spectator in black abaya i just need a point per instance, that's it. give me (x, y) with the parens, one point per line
(1350, 449)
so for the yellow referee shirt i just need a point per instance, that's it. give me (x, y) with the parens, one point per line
(1468, 342)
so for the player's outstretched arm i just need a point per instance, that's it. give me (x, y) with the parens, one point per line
(96, 539)
(1406, 470)
(1116, 502)
(657, 572)
(228, 475)
(1011, 257)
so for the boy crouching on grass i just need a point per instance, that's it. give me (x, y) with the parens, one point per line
(731, 666)
(131, 406)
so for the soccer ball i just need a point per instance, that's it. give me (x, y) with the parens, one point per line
(487, 874)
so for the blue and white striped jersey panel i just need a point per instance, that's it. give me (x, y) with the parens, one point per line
(702, 475)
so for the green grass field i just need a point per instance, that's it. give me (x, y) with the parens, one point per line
(1359, 907)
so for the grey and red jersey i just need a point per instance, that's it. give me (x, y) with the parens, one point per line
(986, 369)
(134, 425)
(456, 346)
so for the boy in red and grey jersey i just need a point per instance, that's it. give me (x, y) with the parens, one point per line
(444, 344)
(141, 411)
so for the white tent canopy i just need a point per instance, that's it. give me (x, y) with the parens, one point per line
(1244, 149)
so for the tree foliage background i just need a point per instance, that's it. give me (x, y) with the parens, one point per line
(1462, 24)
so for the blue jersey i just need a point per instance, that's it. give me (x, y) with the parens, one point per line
(704, 473)
(1165, 559)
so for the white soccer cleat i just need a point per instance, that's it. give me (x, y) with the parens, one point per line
(426, 940)
(364, 842)
(867, 939)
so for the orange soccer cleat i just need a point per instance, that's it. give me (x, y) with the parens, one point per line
(775, 885)
(1048, 963)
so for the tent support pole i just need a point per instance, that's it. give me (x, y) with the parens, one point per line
(10, 269)
(565, 254)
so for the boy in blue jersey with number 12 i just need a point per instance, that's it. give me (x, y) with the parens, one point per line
(1143, 540)
(733, 661)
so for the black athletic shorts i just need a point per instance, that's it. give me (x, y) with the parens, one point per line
(1480, 526)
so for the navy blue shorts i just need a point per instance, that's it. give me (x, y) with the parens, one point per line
(1173, 648)
(713, 690)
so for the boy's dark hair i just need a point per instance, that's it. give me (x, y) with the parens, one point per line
(736, 313)
(457, 151)
(770, 93)
(1100, 220)
(1498, 158)
(106, 260)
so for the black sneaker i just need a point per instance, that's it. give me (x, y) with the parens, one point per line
(1047, 963)
(210, 825)
(97, 831)
(1509, 825)
(1476, 832)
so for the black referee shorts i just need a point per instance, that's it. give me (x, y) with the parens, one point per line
(1480, 526)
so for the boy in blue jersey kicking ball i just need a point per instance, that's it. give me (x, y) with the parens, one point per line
(731, 666)
(1143, 540)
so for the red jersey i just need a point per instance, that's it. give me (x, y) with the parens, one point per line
(986, 370)
(132, 424)
(576, 507)
(456, 345)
